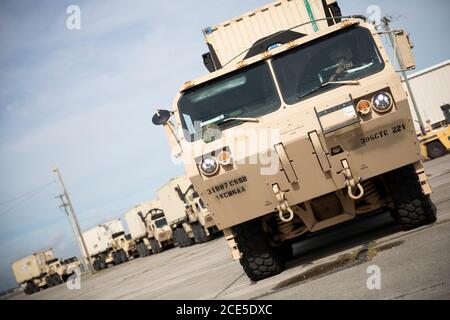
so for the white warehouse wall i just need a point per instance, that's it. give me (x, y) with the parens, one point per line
(431, 90)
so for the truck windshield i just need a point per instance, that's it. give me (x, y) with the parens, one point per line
(350, 54)
(161, 222)
(247, 93)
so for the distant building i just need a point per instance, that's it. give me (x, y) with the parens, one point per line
(431, 89)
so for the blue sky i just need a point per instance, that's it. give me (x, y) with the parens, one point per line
(83, 100)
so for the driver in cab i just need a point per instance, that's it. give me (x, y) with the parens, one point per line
(342, 58)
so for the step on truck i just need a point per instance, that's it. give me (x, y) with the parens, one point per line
(108, 245)
(186, 213)
(301, 124)
(39, 271)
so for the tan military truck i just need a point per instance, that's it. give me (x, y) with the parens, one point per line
(151, 220)
(302, 124)
(137, 227)
(106, 244)
(122, 242)
(158, 230)
(71, 264)
(39, 271)
(190, 220)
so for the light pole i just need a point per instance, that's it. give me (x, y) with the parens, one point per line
(73, 219)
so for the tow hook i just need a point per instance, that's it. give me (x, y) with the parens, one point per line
(351, 182)
(282, 206)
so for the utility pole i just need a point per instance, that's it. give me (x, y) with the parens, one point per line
(64, 205)
(386, 22)
(70, 212)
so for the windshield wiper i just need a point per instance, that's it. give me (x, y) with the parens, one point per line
(343, 83)
(238, 119)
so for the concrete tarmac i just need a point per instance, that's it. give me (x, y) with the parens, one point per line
(332, 265)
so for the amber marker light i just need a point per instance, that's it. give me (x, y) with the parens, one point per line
(363, 107)
(224, 158)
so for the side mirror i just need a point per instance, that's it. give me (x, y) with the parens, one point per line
(161, 117)
(404, 47)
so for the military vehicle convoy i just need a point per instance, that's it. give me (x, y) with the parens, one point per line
(302, 124)
(41, 270)
(107, 244)
(188, 217)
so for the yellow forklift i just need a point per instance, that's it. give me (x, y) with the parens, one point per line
(436, 141)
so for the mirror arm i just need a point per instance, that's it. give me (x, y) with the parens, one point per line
(169, 127)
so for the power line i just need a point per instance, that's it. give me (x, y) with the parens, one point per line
(30, 195)
(25, 194)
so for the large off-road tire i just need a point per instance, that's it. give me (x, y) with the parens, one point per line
(138, 249)
(145, 250)
(142, 249)
(97, 265)
(181, 237)
(56, 279)
(27, 290)
(49, 280)
(31, 288)
(259, 259)
(103, 264)
(154, 244)
(435, 149)
(200, 235)
(116, 258)
(123, 256)
(413, 209)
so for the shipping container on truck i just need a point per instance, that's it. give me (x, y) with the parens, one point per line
(39, 271)
(104, 244)
(137, 220)
(229, 41)
(148, 223)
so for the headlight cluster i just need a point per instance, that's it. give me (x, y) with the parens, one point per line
(381, 102)
(210, 164)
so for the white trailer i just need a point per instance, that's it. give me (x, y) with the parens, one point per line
(430, 88)
(104, 245)
(137, 220)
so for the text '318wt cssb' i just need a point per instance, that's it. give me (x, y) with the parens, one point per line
(301, 124)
